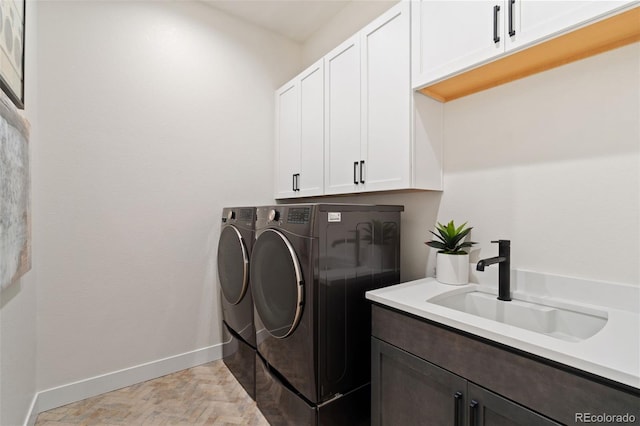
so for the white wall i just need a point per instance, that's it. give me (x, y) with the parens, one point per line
(552, 163)
(17, 349)
(153, 116)
(18, 303)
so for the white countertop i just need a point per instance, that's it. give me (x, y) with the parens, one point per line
(613, 352)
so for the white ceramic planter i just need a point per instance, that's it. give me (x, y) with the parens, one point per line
(452, 268)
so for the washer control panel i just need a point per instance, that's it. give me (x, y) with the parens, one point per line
(241, 215)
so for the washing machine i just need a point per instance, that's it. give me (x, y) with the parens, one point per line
(311, 265)
(237, 235)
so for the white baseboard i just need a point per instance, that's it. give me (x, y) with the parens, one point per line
(33, 412)
(77, 391)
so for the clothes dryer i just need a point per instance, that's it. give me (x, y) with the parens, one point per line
(311, 265)
(234, 248)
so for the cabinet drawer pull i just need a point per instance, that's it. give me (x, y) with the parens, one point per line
(362, 171)
(512, 30)
(355, 172)
(496, 37)
(457, 409)
(293, 182)
(297, 188)
(473, 413)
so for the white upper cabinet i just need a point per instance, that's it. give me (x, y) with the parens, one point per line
(528, 21)
(386, 102)
(380, 139)
(287, 139)
(352, 123)
(342, 117)
(310, 180)
(300, 134)
(449, 36)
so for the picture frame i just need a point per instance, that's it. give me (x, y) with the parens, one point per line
(12, 24)
(15, 194)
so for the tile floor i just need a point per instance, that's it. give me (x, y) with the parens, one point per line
(204, 395)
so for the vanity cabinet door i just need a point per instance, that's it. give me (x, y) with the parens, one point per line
(407, 390)
(489, 409)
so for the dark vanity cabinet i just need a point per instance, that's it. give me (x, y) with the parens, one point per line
(407, 390)
(425, 374)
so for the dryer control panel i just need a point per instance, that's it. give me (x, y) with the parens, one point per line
(299, 215)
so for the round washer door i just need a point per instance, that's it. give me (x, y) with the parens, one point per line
(276, 283)
(233, 264)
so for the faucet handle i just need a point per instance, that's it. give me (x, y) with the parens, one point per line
(504, 248)
(507, 242)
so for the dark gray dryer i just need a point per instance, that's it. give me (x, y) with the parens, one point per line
(311, 265)
(234, 249)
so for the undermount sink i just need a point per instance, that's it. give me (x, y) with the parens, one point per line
(569, 323)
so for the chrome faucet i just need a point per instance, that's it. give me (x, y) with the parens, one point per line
(504, 274)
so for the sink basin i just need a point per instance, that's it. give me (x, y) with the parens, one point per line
(569, 323)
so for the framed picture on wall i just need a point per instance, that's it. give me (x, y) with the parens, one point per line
(12, 14)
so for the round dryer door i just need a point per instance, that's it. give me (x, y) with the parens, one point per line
(233, 264)
(276, 283)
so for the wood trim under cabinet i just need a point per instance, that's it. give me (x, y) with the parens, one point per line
(608, 34)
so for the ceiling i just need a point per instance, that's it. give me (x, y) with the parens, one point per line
(294, 19)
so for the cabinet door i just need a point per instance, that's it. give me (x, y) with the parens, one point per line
(287, 139)
(489, 409)
(406, 390)
(533, 20)
(386, 101)
(311, 179)
(342, 118)
(449, 36)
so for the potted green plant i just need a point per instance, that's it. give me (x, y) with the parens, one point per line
(452, 260)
